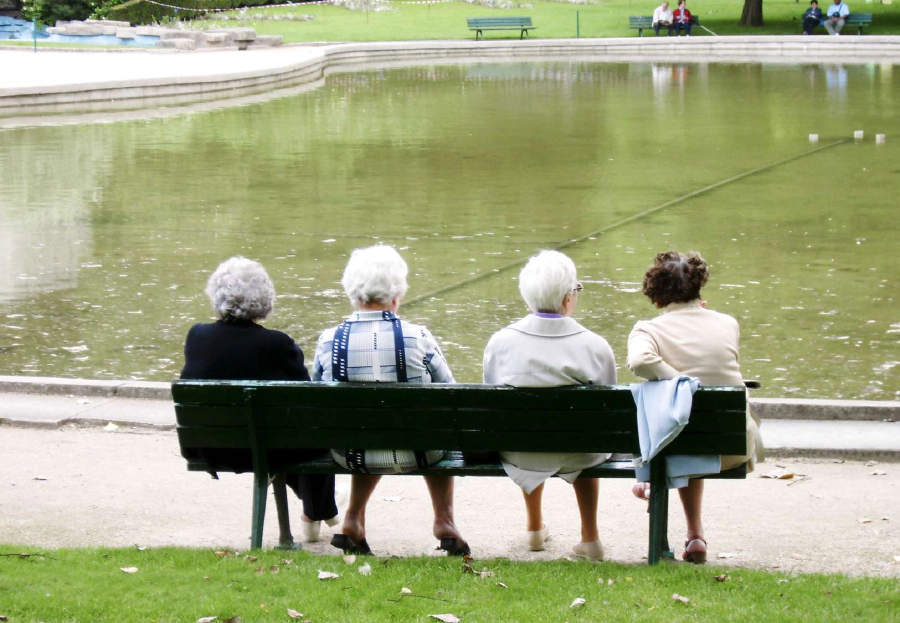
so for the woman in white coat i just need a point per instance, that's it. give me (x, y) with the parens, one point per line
(688, 339)
(548, 348)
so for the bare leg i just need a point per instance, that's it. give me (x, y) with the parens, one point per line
(441, 490)
(692, 500)
(533, 508)
(587, 492)
(361, 488)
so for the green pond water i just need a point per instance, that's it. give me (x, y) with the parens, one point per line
(109, 231)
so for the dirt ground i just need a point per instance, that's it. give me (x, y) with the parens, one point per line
(86, 487)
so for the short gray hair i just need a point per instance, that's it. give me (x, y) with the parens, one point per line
(240, 289)
(375, 275)
(546, 279)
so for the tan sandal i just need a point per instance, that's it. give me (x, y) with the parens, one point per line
(697, 557)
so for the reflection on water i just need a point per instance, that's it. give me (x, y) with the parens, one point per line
(110, 231)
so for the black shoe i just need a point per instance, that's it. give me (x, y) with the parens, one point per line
(455, 547)
(349, 546)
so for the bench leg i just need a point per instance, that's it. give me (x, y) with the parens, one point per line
(260, 492)
(659, 513)
(285, 538)
(478, 35)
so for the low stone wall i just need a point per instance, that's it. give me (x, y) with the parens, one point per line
(766, 408)
(214, 82)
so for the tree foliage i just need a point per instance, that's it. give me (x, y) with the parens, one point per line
(49, 11)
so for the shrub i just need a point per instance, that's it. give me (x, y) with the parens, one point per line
(138, 12)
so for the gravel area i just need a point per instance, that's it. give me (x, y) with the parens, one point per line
(89, 487)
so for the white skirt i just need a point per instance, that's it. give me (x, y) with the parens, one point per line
(530, 469)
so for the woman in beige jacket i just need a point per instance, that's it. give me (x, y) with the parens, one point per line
(548, 348)
(688, 339)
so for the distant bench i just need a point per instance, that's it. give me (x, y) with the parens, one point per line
(480, 24)
(254, 426)
(859, 20)
(645, 22)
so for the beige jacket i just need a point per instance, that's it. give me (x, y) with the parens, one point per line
(690, 339)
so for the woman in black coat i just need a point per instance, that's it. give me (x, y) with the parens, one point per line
(235, 347)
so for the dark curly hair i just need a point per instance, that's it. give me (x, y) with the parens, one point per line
(675, 278)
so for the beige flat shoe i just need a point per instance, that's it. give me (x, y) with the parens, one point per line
(592, 551)
(535, 538)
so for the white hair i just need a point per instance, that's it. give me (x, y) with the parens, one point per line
(240, 289)
(375, 275)
(545, 280)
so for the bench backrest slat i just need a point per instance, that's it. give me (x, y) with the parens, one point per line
(498, 21)
(214, 414)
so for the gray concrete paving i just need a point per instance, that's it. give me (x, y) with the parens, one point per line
(878, 440)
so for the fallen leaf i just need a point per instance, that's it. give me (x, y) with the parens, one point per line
(879, 474)
(486, 574)
(405, 591)
(222, 553)
(864, 520)
(351, 559)
(681, 598)
(610, 582)
(365, 569)
(129, 569)
(600, 581)
(233, 620)
(726, 555)
(502, 585)
(778, 475)
(274, 569)
(83, 401)
(206, 619)
(294, 614)
(896, 558)
(392, 498)
(287, 562)
(871, 463)
(629, 579)
(783, 581)
(141, 549)
(251, 558)
(885, 518)
(446, 618)
(467, 565)
(578, 602)
(260, 570)
(327, 575)
(39, 478)
(722, 578)
(206, 577)
(110, 427)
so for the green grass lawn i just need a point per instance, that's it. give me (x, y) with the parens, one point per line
(175, 584)
(553, 20)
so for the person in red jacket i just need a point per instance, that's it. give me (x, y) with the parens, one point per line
(683, 19)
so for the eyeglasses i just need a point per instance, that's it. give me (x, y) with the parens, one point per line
(578, 288)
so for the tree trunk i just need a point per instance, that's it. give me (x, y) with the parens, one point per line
(752, 14)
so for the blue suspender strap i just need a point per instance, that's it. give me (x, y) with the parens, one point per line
(399, 348)
(339, 353)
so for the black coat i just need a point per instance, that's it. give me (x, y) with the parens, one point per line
(241, 351)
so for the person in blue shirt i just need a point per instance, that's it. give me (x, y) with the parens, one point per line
(835, 17)
(811, 18)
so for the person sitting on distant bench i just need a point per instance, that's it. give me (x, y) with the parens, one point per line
(811, 18)
(836, 15)
(662, 16)
(683, 19)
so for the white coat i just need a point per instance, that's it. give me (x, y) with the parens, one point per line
(542, 351)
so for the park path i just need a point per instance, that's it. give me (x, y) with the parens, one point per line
(77, 486)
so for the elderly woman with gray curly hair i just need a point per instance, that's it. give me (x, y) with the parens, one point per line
(374, 345)
(237, 347)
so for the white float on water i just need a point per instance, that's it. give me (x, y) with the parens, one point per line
(813, 138)
(858, 135)
(879, 139)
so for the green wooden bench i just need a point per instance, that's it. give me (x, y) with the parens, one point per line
(645, 22)
(234, 426)
(859, 21)
(480, 24)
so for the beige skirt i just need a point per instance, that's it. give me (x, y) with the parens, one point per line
(530, 469)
